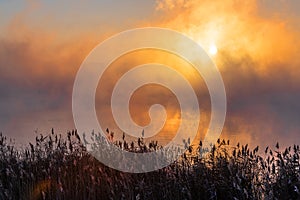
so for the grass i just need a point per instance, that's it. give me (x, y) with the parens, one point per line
(58, 167)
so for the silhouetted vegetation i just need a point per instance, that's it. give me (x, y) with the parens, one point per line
(58, 167)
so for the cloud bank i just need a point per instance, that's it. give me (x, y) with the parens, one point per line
(258, 48)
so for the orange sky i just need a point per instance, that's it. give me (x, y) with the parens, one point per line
(42, 47)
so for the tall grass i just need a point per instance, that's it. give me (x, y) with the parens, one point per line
(57, 167)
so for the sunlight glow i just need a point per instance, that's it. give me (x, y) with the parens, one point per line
(213, 49)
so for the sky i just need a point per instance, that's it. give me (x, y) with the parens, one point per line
(42, 45)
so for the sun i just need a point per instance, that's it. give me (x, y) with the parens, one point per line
(213, 50)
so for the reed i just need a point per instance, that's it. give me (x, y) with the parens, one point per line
(59, 167)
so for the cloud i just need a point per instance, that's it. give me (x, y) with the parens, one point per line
(257, 56)
(37, 73)
(258, 60)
